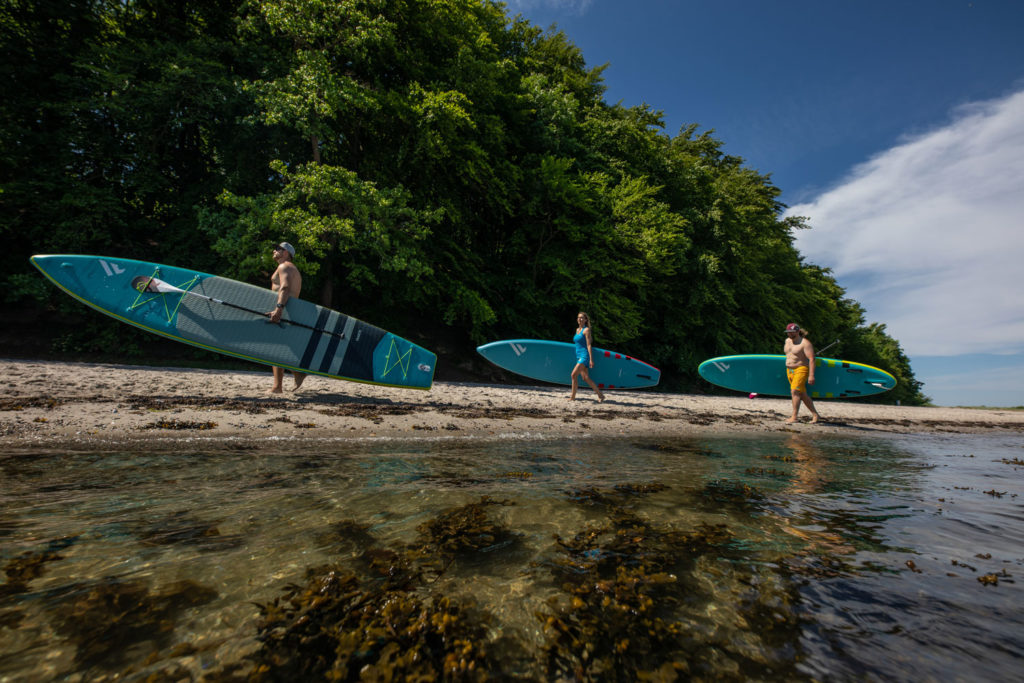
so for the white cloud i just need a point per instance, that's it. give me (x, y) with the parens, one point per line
(929, 235)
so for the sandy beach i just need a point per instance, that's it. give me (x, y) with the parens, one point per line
(87, 405)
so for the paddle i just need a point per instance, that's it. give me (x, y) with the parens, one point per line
(156, 286)
(874, 384)
(826, 348)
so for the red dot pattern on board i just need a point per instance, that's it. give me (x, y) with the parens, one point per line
(600, 386)
(607, 353)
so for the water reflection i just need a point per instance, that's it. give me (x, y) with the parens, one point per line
(771, 558)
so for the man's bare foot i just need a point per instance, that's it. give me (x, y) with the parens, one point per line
(791, 420)
(299, 379)
(600, 398)
(815, 418)
(276, 390)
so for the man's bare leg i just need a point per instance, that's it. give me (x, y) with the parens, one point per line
(810, 406)
(278, 380)
(796, 407)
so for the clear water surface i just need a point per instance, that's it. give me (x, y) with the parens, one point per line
(782, 557)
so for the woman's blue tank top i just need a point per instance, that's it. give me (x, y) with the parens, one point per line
(581, 347)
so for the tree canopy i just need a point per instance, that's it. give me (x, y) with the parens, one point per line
(446, 171)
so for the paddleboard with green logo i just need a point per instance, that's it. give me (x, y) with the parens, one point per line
(229, 317)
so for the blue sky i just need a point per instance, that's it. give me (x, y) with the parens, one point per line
(896, 127)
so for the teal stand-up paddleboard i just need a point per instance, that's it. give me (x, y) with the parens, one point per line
(766, 374)
(551, 361)
(229, 317)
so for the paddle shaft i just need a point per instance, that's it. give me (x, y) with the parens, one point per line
(874, 384)
(340, 335)
(826, 348)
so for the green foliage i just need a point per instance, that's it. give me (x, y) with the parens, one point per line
(444, 171)
(330, 215)
(22, 286)
(875, 347)
(99, 339)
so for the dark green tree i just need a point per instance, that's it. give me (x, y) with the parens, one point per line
(446, 171)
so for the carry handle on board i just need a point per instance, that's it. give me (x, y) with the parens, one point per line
(157, 286)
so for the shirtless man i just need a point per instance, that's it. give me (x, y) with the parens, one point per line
(799, 369)
(287, 282)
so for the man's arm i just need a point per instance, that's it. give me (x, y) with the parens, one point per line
(809, 352)
(283, 292)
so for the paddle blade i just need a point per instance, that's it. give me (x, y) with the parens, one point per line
(143, 284)
(153, 285)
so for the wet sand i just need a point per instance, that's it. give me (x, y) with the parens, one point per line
(85, 405)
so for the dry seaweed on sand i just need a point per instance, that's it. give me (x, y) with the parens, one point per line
(175, 424)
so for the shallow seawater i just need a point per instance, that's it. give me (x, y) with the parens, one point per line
(782, 557)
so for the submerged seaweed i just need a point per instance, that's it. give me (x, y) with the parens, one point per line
(621, 584)
(182, 529)
(463, 530)
(735, 495)
(104, 619)
(613, 497)
(340, 626)
(346, 535)
(633, 607)
(30, 565)
(22, 569)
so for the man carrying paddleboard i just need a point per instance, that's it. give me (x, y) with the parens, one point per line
(799, 369)
(287, 282)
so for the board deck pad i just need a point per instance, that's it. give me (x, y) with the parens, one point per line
(551, 361)
(766, 374)
(340, 346)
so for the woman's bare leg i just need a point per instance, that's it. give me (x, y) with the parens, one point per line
(586, 376)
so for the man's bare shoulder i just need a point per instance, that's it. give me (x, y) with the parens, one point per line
(286, 268)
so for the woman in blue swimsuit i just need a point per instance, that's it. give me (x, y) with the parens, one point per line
(584, 357)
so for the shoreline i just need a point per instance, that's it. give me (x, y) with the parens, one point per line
(96, 406)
